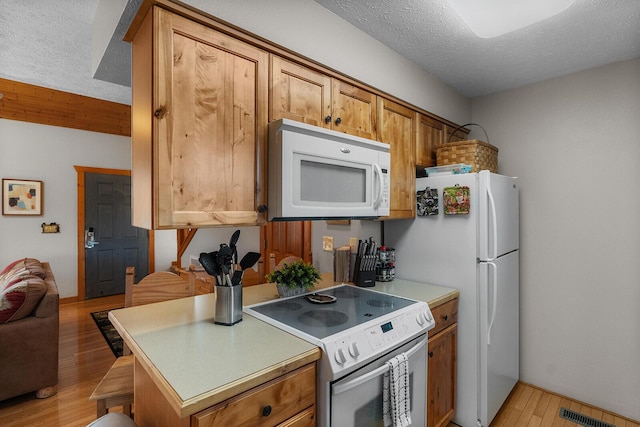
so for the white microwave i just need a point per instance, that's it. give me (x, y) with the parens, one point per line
(317, 173)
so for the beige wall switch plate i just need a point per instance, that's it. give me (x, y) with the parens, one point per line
(327, 243)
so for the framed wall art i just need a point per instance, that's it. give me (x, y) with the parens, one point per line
(21, 197)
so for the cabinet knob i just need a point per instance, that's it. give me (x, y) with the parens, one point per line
(262, 208)
(327, 119)
(445, 317)
(431, 354)
(266, 411)
(338, 120)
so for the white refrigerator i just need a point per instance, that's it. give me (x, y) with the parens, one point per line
(476, 252)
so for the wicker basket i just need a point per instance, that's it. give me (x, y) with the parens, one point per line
(474, 152)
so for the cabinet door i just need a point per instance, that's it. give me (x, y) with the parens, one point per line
(354, 110)
(430, 134)
(397, 128)
(298, 93)
(210, 109)
(441, 377)
(453, 135)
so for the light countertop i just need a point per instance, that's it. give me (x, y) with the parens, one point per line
(200, 363)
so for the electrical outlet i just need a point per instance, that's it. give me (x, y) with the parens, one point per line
(327, 243)
(353, 243)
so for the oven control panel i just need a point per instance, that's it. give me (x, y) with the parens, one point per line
(375, 338)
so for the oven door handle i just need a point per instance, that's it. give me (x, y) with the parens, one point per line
(341, 388)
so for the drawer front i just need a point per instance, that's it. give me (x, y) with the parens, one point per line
(267, 405)
(445, 315)
(306, 418)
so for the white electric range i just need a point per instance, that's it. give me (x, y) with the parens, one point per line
(358, 330)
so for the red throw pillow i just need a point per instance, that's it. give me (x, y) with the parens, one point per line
(13, 266)
(20, 296)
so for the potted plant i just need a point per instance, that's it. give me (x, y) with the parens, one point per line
(295, 278)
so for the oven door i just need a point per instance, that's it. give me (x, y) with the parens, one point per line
(356, 400)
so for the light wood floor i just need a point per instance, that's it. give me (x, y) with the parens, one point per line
(85, 357)
(532, 407)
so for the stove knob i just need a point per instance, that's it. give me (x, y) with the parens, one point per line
(420, 318)
(353, 349)
(340, 357)
(428, 315)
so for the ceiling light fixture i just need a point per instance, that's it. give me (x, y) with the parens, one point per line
(492, 18)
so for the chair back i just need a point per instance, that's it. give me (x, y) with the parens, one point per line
(157, 287)
(283, 261)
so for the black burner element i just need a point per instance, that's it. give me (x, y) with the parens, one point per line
(347, 292)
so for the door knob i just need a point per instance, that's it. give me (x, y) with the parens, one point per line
(89, 238)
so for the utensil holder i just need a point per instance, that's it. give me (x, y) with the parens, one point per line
(228, 305)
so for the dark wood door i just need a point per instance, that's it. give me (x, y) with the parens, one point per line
(119, 244)
(286, 238)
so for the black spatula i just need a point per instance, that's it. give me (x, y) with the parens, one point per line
(247, 261)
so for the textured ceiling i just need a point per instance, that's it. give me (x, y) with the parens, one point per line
(588, 34)
(48, 43)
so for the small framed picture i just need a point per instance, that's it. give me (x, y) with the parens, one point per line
(21, 197)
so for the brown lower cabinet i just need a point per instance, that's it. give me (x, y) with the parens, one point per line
(288, 400)
(441, 365)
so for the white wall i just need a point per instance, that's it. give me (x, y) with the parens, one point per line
(574, 142)
(48, 154)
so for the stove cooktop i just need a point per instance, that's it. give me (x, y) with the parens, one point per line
(353, 307)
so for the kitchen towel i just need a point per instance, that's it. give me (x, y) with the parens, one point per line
(396, 397)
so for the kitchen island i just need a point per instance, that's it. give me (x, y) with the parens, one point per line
(186, 364)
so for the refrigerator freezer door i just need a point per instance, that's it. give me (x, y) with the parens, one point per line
(499, 327)
(498, 215)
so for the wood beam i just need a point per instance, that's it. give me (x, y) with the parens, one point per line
(36, 104)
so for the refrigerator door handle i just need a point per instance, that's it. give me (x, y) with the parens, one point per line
(494, 223)
(494, 282)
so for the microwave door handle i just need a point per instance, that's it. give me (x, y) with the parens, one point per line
(341, 388)
(378, 171)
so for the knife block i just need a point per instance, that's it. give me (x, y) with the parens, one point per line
(228, 305)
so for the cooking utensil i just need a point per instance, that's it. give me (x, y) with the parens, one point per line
(247, 261)
(234, 251)
(208, 261)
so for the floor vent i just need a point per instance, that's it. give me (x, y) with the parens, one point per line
(582, 420)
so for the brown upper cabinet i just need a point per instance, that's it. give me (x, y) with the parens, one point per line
(397, 127)
(430, 134)
(302, 94)
(199, 112)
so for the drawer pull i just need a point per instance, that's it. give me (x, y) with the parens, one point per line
(266, 411)
(445, 317)
(431, 354)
